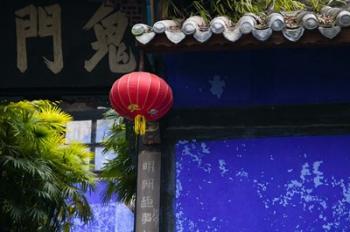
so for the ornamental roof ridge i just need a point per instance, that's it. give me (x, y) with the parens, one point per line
(329, 22)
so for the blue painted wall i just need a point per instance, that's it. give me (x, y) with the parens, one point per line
(290, 184)
(260, 77)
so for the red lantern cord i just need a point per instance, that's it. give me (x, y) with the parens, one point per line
(141, 96)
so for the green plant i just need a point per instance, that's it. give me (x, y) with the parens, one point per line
(119, 173)
(43, 180)
(170, 9)
(289, 5)
(235, 9)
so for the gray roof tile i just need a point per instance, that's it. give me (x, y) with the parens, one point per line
(292, 24)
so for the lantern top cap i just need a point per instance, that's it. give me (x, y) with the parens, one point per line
(141, 73)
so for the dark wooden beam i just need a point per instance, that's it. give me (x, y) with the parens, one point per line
(258, 121)
(218, 43)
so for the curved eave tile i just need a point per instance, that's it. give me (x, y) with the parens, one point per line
(196, 26)
(143, 33)
(232, 35)
(293, 34)
(220, 24)
(329, 32)
(192, 24)
(202, 36)
(309, 21)
(175, 36)
(165, 25)
(262, 34)
(343, 19)
(246, 24)
(276, 22)
(145, 38)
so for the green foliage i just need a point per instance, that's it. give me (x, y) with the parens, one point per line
(43, 180)
(289, 5)
(234, 9)
(171, 9)
(231, 8)
(120, 173)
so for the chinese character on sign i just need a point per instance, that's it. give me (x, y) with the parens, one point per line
(109, 29)
(34, 21)
(146, 217)
(147, 202)
(148, 166)
(155, 215)
(147, 184)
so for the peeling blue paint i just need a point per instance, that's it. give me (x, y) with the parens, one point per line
(296, 184)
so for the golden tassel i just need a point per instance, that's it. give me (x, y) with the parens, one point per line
(140, 124)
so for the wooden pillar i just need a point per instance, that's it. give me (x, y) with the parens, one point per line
(148, 181)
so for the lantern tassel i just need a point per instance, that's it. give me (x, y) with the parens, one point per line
(140, 124)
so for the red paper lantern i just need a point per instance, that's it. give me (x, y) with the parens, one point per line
(141, 96)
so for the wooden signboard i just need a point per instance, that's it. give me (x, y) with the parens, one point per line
(148, 191)
(57, 46)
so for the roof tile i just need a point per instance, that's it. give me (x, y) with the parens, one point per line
(292, 24)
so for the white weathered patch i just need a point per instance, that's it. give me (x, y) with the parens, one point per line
(217, 86)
